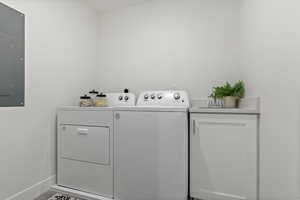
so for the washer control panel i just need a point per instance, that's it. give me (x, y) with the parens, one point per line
(121, 99)
(164, 98)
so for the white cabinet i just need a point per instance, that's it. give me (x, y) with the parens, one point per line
(224, 156)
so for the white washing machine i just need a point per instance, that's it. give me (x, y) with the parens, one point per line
(151, 147)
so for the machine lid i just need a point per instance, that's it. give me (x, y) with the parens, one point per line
(152, 109)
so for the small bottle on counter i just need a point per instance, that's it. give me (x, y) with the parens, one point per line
(101, 100)
(85, 101)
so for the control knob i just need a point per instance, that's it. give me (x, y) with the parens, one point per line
(159, 96)
(176, 96)
(152, 96)
(126, 90)
(146, 96)
(120, 98)
(126, 98)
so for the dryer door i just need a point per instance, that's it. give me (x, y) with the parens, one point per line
(151, 155)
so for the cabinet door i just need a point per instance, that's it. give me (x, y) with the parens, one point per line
(223, 157)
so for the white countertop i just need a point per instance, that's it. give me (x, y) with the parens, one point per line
(224, 110)
(247, 106)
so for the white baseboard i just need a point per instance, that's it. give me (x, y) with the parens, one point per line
(35, 190)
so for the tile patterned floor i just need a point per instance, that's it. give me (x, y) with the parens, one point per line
(49, 194)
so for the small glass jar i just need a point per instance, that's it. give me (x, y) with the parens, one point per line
(85, 101)
(101, 100)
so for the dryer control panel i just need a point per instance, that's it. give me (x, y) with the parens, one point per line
(168, 98)
(121, 99)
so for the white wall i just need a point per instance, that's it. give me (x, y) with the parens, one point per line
(60, 64)
(165, 43)
(271, 69)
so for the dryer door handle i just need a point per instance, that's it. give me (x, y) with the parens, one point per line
(117, 116)
(83, 131)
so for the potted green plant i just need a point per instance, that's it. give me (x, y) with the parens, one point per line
(231, 94)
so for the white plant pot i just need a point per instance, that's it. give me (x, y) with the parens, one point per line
(231, 102)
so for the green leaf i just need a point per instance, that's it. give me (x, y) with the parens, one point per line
(237, 90)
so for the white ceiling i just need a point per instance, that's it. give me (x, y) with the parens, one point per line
(105, 5)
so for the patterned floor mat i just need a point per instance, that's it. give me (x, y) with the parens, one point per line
(60, 196)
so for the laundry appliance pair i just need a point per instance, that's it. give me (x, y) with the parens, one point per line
(132, 150)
